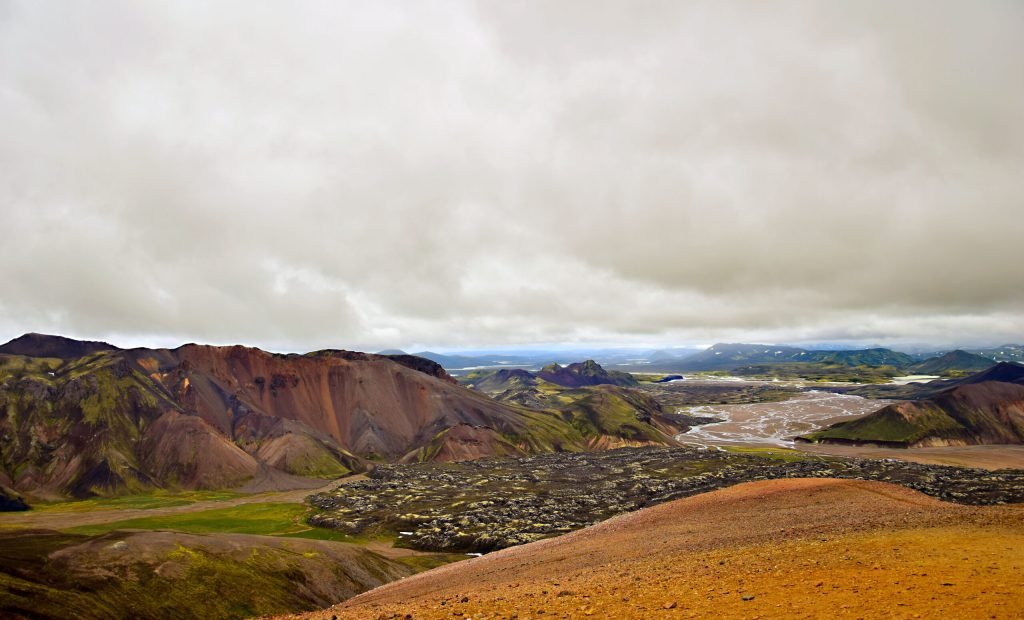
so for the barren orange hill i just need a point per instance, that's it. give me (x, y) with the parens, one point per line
(799, 548)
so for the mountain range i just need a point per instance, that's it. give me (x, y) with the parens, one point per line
(84, 418)
(731, 356)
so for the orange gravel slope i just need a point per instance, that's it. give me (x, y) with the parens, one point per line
(776, 549)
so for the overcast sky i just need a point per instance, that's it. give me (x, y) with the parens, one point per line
(300, 175)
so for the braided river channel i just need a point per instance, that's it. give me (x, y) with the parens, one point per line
(775, 423)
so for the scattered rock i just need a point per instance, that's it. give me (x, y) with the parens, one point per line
(489, 504)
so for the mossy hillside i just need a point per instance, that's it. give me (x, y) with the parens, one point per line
(615, 412)
(160, 498)
(889, 426)
(786, 455)
(266, 519)
(316, 460)
(92, 410)
(548, 432)
(94, 413)
(16, 367)
(573, 419)
(201, 577)
(504, 445)
(319, 464)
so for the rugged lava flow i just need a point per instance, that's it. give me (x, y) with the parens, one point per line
(782, 548)
(490, 504)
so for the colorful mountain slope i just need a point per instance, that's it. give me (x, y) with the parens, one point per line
(985, 408)
(116, 421)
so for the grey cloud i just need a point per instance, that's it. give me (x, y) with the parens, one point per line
(460, 173)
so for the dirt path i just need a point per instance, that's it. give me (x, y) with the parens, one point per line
(59, 520)
(775, 549)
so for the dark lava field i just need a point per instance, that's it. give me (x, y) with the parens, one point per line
(489, 504)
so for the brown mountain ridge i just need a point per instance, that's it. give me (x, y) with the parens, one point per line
(118, 420)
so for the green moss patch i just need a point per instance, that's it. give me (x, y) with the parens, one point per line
(269, 519)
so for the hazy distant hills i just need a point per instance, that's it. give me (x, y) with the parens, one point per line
(115, 420)
(953, 361)
(984, 408)
(730, 356)
(1005, 353)
(632, 359)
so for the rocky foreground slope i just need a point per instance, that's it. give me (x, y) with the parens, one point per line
(774, 549)
(83, 418)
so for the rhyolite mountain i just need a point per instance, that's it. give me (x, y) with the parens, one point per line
(724, 356)
(954, 361)
(984, 408)
(122, 420)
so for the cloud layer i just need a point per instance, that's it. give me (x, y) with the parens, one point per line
(459, 174)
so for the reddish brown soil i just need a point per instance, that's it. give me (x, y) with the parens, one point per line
(774, 549)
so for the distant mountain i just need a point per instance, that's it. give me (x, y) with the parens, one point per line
(580, 374)
(724, 356)
(116, 421)
(583, 374)
(864, 357)
(985, 408)
(729, 356)
(505, 379)
(670, 354)
(58, 347)
(1005, 353)
(460, 362)
(392, 352)
(954, 361)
